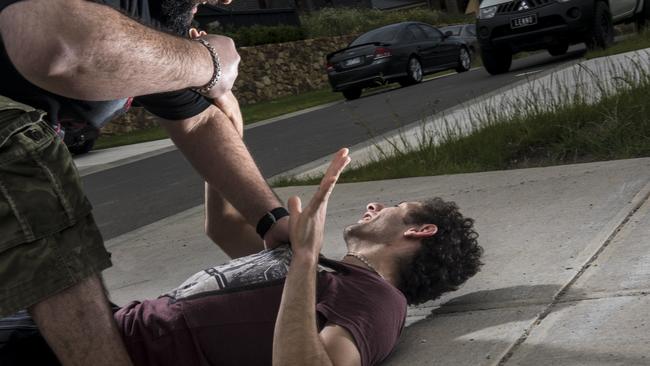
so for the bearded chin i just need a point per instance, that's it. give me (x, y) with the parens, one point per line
(355, 231)
(177, 15)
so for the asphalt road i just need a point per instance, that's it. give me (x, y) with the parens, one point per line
(133, 195)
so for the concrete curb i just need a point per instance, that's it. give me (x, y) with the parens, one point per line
(363, 152)
(92, 169)
(543, 82)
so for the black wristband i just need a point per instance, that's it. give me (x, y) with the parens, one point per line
(270, 218)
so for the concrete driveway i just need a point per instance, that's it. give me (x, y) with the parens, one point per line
(566, 272)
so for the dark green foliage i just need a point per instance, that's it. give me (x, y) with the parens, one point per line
(335, 22)
(260, 34)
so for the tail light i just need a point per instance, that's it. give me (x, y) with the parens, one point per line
(329, 66)
(382, 52)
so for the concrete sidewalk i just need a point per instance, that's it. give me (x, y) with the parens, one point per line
(566, 272)
(98, 160)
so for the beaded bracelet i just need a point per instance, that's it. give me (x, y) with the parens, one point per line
(217, 68)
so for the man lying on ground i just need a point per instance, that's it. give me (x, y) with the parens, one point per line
(291, 306)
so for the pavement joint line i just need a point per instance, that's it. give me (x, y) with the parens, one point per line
(635, 204)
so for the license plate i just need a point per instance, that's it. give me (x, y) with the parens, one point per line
(352, 61)
(524, 21)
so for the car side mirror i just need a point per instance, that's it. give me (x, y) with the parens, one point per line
(448, 34)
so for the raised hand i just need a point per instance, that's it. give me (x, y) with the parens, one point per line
(306, 226)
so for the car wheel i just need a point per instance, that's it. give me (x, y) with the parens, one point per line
(352, 93)
(414, 73)
(496, 61)
(83, 148)
(464, 60)
(558, 49)
(602, 29)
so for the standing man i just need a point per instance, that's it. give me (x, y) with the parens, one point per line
(81, 60)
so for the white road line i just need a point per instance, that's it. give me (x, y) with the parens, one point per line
(529, 73)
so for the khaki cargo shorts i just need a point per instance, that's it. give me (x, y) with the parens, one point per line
(48, 237)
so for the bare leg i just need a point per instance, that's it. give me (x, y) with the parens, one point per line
(228, 228)
(79, 327)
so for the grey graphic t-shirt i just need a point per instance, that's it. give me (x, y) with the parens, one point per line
(267, 265)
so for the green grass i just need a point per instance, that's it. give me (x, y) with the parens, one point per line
(616, 127)
(633, 42)
(134, 137)
(291, 103)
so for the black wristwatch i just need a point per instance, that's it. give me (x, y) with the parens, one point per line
(270, 218)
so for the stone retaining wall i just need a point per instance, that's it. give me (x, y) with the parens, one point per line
(270, 71)
(266, 72)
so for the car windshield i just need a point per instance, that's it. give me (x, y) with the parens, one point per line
(455, 30)
(383, 35)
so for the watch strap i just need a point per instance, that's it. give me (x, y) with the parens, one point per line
(269, 219)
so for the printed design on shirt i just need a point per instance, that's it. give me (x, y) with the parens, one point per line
(267, 265)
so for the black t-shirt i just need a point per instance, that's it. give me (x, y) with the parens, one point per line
(174, 105)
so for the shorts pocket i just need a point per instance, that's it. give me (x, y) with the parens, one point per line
(40, 189)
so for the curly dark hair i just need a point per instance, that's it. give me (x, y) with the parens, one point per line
(447, 259)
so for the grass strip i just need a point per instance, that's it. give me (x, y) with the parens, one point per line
(133, 137)
(633, 42)
(291, 103)
(616, 127)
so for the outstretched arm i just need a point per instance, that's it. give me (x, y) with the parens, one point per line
(214, 147)
(88, 51)
(224, 224)
(296, 340)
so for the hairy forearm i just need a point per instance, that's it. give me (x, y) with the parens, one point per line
(89, 51)
(212, 145)
(296, 340)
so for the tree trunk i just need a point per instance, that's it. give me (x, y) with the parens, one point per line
(434, 4)
(452, 6)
